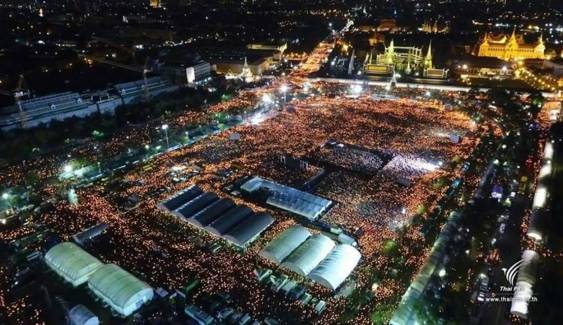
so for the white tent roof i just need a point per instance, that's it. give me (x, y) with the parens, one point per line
(307, 256)
(71, 262)
(336, 267)
(119, 289)
(280, 248)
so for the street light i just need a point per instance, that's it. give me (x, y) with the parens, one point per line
(164, 127)
(284, 88)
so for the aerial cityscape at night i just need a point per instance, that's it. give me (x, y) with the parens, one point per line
(281, 162)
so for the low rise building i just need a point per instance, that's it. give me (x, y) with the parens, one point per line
(187, 73)
(479, 67)
(30, 113)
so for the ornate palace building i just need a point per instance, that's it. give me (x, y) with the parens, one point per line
(408, 60)
(510, 48)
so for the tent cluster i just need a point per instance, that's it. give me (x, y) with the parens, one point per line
(237, 224)
(315, 256)
(116, 287)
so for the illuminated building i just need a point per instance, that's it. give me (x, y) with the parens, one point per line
(429, 71)
(511, 48)
(398, 58)
(430, 27)
(389, 26)
(277, 48)
(406, 59)
(376, 38)
(482, 67)
(248, 71)
(29, 113)
(155, 3)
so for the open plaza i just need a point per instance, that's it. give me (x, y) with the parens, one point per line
(353, 171)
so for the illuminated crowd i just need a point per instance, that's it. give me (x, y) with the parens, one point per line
(165, 252)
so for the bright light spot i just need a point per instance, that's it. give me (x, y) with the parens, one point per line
(534, 235)
(267, 99)
(306, 87)
(441, 134)
(545, 171)
(79, 173)
(374, 287)
(164, 126)
(68, 168)
(442, 273)
(548, 152)
(356, 89)
(284, 88)
(5, 196)
(539, 198)
(258, 118)
(428, 94)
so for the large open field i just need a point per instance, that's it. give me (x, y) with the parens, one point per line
(387, 160)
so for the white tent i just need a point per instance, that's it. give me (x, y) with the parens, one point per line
(119, 289)
(72, 263)
(336, 267)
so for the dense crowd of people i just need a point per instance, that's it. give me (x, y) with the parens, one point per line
(164, 252)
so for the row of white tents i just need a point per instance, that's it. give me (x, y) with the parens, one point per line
(315, 256)
(117, 288)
